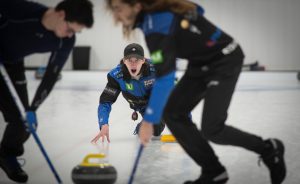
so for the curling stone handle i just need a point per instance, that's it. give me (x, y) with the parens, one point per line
(89, 156)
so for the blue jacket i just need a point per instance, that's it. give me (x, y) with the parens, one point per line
(169, 36)
(136, 92)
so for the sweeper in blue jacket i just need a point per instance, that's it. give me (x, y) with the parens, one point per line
(179, 29)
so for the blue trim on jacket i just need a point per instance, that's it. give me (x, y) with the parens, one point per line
(103, 113)
(158, 22)
(160, 93)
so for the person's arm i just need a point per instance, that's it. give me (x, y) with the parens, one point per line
(162, 50)
(55, 65)
(163, 55)
(162, 47)
(107, 98)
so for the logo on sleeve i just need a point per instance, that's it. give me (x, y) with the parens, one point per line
(157, 57)
(110, 91)
(149, 111)
(148, 83)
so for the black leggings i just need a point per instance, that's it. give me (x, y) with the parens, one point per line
(158, 129)
(216, 86)
(15, 133)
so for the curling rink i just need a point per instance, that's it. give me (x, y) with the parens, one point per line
(265, 103)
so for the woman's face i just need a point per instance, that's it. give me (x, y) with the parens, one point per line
(125, 13)
(134, 65)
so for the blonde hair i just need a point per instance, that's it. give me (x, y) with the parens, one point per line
(176, 6)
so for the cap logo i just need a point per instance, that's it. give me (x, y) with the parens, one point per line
(133, 49)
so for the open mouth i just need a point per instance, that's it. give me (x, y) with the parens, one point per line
(133, 71)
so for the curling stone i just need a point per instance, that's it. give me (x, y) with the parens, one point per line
(92, 173)
(167, 138)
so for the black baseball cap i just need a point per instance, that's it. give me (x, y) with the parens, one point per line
(134, 50)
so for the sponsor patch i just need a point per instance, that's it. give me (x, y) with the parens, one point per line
(129, 86)
(119, 75)
(110, 91)
(157, 57)
(148, 83)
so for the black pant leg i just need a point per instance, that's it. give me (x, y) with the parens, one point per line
(186, 95)
(158, 129)
(216, 102)
(16, 73)
(15, 133)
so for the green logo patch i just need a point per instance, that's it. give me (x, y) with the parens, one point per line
(157, 57)
(129, 86)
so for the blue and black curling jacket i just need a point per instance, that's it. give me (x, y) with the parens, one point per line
(136, 92)
(22, 34)
(169, 36)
